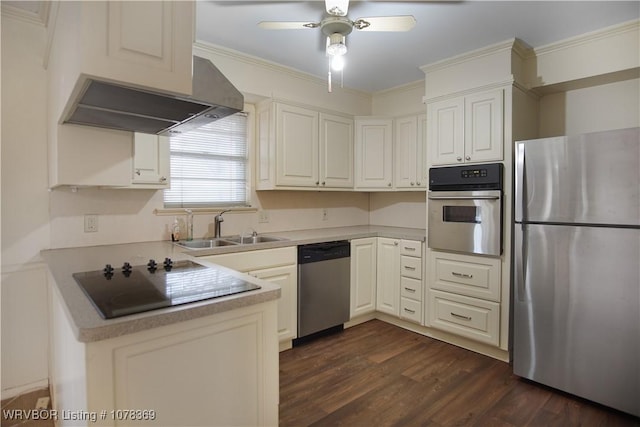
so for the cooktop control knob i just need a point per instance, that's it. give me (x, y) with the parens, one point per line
(168, 264)
(152, 265)
(108, 271)
(126, 267)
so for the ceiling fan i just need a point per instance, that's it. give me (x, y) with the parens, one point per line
(337, 25)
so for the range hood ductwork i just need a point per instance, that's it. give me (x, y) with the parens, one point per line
(114, 106)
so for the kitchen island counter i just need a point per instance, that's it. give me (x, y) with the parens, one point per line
(88, 326)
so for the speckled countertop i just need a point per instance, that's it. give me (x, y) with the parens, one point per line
(89, 326)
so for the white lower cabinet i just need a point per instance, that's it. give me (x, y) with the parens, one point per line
(388, 276)
(464, 295)
(469, 317)
(217, 370)
(411, 282)
(363, 276)
(275, 265)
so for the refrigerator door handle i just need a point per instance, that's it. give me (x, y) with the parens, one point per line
(519, 184)
(520, 255)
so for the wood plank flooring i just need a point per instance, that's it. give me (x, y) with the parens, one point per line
(377, 374)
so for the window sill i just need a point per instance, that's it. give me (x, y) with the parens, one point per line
(204, 211)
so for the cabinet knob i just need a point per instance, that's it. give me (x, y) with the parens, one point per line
(138, 172)
(317, 182)
(395, 243)
(468, 157)
(418, 183)
(163, 178)
(413, 183)
(459, 159)
(389, 185)
(323, 183)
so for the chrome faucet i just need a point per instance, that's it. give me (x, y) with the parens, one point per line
(216, 224)
(189, 224)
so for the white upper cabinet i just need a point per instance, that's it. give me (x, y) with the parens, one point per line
(151, 158)
(467, 129)
(336, 151)
(410, 143)
(302, 148)
(374, 153)
(296, 146)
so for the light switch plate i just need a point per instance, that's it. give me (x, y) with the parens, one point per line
(90, 223)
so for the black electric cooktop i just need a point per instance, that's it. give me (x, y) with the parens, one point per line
(117, 292)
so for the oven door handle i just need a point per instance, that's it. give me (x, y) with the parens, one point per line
(464, 197)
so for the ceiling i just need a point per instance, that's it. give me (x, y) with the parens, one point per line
(381, 60)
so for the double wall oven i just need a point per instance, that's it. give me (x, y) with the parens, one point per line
(465, 209)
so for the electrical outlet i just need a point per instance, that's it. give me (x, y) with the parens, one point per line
(325, 214)
(42, 403)
(263, 216)
(90, 223)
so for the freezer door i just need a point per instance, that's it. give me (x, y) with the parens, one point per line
(589, 179)
(577, 311)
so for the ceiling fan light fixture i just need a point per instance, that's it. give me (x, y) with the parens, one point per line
(337, 63)
(337, 7)
(336, 45)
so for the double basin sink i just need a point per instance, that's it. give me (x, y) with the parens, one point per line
(227, 241)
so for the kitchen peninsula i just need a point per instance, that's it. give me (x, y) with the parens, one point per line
(212, 362)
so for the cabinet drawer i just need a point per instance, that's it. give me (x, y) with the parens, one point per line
(411, 267)
(471, 276)
(411, 288)
(411, 248)
(411, 310)
(469, 317)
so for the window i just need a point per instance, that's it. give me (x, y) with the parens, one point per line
(209, 165)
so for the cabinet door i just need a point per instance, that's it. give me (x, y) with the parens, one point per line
(374, 151)
(422, 174)
(388, 276)
(483, 126)
(150, 160)
(446, 131)
(286, 278)
(363, 275)
(336, 151)
(296, 146)
(406, 149)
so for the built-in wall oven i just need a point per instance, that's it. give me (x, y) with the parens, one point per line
(465, 209)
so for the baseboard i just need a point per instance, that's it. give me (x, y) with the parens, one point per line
(24, 389)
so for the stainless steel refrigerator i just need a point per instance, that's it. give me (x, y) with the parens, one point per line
(576, 299)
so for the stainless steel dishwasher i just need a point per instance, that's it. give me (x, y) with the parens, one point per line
(324, 272)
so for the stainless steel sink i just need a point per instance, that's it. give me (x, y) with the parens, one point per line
(227, 241)
(204, 243)
(252, 240)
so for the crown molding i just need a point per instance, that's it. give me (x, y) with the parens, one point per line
(39, 18)
(254, 61)
(470, 56)
(407, 87)
(590, 37)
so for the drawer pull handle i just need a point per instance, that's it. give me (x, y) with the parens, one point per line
(463, 275)
(460, 316)
(409, 289)
(410, 311)
(409, 249)
(409, 268)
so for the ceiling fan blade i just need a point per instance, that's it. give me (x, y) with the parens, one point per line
(385, 23)
(287, 25)
(337, 7)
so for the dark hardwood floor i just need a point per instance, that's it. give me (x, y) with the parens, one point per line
(376, 374)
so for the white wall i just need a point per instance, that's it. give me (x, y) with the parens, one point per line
(25, 208)
(604, 107)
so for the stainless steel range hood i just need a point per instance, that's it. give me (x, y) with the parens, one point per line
(115, 106)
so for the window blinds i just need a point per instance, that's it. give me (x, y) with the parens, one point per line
(209, 165)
